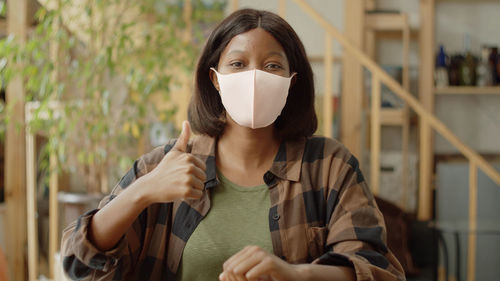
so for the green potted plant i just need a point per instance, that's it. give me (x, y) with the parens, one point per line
(99, 76)
(99, 72)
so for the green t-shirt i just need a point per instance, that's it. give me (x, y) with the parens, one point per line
(238, 217)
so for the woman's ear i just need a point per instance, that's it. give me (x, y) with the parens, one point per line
(213, 78)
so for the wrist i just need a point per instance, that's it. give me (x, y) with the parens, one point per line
(140, 195)
(303, 272)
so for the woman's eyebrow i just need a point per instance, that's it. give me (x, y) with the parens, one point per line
(276, 53)
(235, 52)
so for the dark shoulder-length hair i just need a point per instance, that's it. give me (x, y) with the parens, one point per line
(206, 112)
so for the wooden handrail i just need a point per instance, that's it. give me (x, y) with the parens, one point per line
(402, 93)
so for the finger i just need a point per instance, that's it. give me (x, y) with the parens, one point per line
(182, 141)
(197, 161)
(235, 277)
(245, 263)
(194, 194)
(263, 268)
(240, 256)
(227, 276)
(195, 183)
(228, 264)
(198, 173)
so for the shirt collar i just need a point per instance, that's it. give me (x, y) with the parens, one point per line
(286, 165)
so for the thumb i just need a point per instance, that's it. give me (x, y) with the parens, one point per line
(182, 141)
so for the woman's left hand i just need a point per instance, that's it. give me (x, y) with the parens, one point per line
(253, 263)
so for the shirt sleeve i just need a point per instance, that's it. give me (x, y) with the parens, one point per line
(356, 229)
(82, 260)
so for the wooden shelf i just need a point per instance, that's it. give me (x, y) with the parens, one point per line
(393, 116)
(468, 1)
(397, 35)
(321, 59)
(465, 90)
(386, 21)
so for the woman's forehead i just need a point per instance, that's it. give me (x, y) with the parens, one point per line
(256, 40)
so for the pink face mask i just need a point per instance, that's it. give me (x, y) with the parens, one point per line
(253, 98)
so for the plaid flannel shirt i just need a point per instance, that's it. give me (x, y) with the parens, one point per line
(322, 212)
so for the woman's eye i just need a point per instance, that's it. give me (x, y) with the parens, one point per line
(273, 66)
(236, 64)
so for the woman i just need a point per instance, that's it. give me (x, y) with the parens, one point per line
(254, 196)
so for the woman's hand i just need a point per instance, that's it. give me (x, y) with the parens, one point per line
(179, 175)
(253, 263)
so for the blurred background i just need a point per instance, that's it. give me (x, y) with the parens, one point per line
(411, 87)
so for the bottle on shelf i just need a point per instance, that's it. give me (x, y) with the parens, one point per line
(454, 69)
(468, 65)
(484, 70)
(441, 72)
(494, 64)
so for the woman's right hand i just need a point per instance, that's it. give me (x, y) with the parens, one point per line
(179, 175)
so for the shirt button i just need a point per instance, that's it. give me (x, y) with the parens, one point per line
(268, 178)
(276, 217)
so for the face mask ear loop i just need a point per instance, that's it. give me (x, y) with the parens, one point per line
(253, 104)
(217, 76)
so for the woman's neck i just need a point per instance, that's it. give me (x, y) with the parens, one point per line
(243, 154)
(251, 147)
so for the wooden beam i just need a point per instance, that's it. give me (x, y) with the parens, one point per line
(396, 34)
(426, 95)
(187, 13)
(465, 90)
(471, 252)
(53, 213)
(327, 101)
(15, 153)
(370, 5)
(385, 22)
(405, 143)
(182, 100)
(3, 27)
(406, 52)
(282, 8)
(55, 54)
(352, 80)
(393, 116)
(31, 204)
(405, 129)
(321, 59)
(234, 5)
(375, 135)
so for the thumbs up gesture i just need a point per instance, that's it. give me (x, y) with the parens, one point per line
(179, 175)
